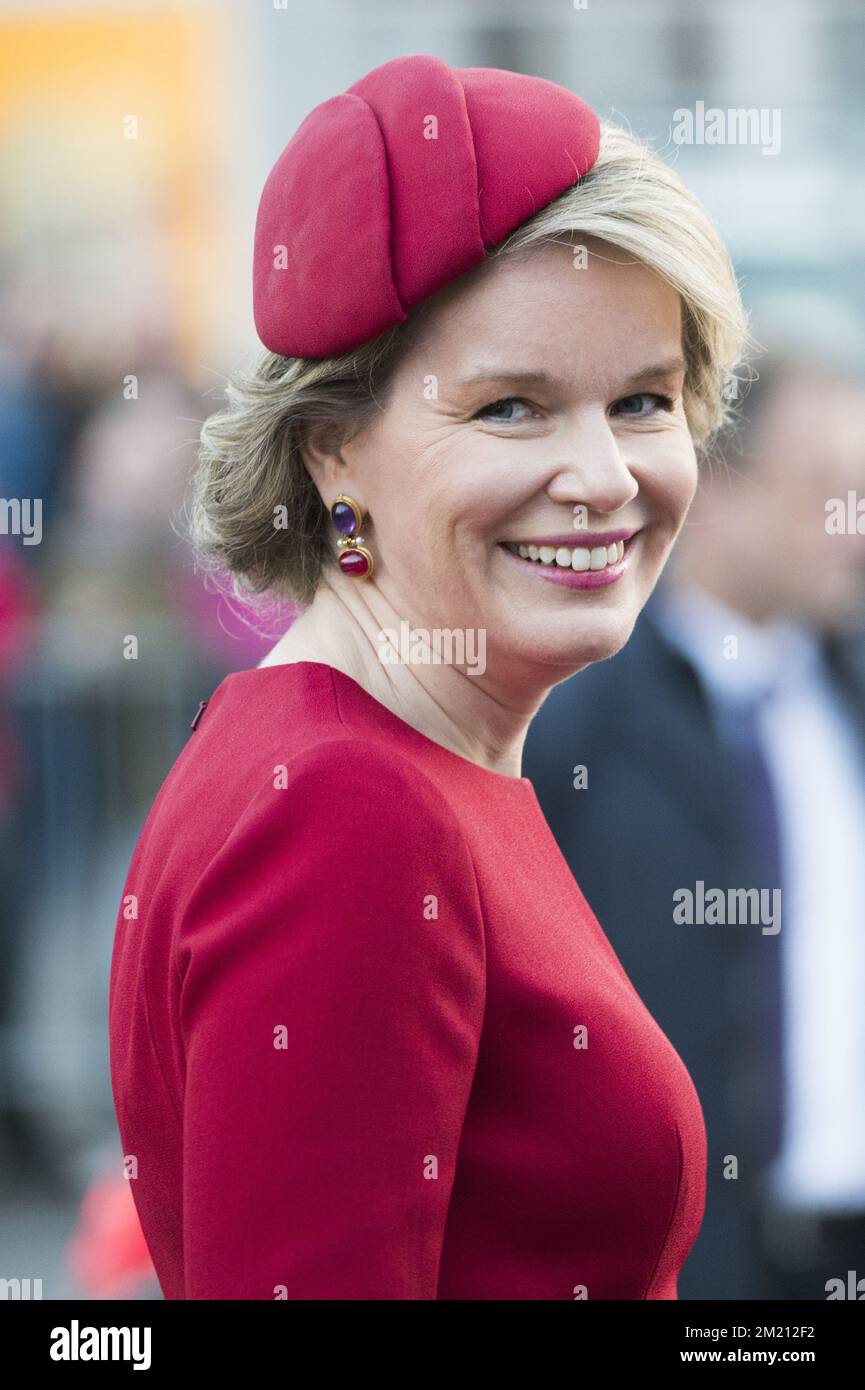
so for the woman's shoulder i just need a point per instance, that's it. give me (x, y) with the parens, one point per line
(345, 840)
(355, 787)
(277, 764)
(284, 730)
(284, 742)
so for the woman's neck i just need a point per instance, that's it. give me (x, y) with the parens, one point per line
(467, 714)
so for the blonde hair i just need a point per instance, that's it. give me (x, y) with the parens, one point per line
(250, 466)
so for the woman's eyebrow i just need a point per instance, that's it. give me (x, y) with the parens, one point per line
(498, 374)
(668, 368)
(540, 378)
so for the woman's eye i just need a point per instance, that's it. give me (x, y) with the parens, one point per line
(495, 406)
(634, 406)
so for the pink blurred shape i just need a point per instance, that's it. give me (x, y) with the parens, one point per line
(107, 1254)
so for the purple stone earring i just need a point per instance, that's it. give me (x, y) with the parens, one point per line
(353, 559)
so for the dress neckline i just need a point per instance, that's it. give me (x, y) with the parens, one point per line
(405, 729)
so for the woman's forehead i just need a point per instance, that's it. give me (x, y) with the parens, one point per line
(521, 317)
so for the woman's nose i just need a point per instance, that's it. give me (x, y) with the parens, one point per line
(594, 470)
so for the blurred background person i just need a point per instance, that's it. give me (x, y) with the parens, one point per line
(745, 676)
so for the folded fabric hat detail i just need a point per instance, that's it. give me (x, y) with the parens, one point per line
(393, 188)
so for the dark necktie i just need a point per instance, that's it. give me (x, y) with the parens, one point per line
(754, 797)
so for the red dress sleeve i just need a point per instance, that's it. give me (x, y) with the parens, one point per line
(333, 985)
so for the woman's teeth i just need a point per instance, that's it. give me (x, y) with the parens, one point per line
(577, 558)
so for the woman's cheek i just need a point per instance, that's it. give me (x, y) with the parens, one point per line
(674, 472)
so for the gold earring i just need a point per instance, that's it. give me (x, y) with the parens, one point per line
(354, 559)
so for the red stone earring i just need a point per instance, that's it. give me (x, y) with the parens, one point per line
(353, 559)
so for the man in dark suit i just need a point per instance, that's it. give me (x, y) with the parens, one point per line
(723, 751)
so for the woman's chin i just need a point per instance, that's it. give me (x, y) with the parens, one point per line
(595, 637)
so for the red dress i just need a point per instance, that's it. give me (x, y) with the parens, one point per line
(367, 1038)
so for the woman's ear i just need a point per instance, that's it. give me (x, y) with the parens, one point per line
(319, 450)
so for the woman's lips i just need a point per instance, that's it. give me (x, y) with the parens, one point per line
(571, 578)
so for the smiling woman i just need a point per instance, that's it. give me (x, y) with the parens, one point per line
(368, 1039)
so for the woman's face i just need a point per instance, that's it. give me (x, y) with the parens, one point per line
(541, 405)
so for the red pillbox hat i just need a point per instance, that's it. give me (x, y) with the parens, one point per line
(398, 185)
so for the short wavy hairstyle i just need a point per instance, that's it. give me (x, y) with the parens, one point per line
(250, 469)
